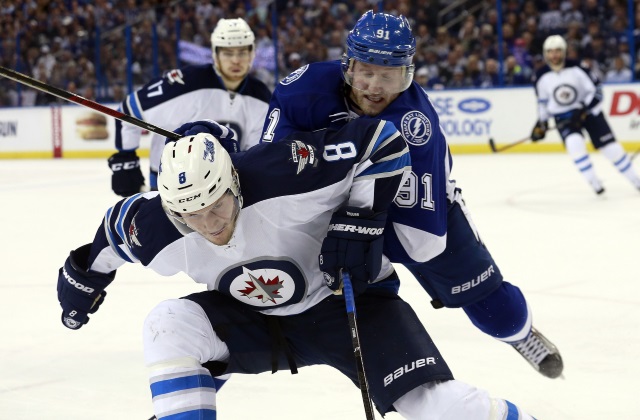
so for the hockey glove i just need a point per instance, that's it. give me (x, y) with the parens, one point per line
(539, 131)
(354, 244)
(225, 135)
(576, 121)
(80, 292)
(127, 178)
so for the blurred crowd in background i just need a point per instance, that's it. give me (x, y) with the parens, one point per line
(101, 49)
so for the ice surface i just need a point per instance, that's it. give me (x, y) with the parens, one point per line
(575, 255)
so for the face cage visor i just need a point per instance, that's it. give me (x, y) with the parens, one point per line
(373, 79)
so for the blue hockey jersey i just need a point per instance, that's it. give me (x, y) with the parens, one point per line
(314, 96)
(290, 190)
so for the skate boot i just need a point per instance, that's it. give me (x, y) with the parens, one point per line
(597, 186)
(541, 354)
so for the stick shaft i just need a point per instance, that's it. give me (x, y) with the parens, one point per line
(72, 97)
(355, 341)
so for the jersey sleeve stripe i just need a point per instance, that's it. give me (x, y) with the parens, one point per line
(120, 229)
(134, 105)
(111, 238)
(385, 133)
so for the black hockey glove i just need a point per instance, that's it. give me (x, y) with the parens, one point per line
(225, 135)
(576, 121)
(539, 131)
(80, 292)
(127, 179)
(353, 243)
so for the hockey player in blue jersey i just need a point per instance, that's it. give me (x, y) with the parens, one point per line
(572, 95)
(223, 91)
(252, 229)
(429, 229)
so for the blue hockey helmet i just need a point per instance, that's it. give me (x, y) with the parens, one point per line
(384, 40)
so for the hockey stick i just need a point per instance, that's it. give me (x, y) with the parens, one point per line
(633, 156)
(355, 340)
(496, 149)
(72, 97)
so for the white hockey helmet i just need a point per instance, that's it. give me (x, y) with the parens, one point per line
(554, 42)
(232, 33)
(195, 172)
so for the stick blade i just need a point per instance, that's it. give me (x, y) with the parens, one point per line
(492, 145)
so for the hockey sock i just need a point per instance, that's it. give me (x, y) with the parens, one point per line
(455, 400)
(183, 389)
(504, 314)
(620, 159)
(578, 151)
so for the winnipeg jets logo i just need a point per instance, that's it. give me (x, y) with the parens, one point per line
(259, 288)
(209, 152)
(303, 155)
(565, 94)
(264, 283)
(416, 128)
(175, 76)
(294, 76)
(133, 233)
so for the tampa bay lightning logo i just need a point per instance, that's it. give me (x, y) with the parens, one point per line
(416, 128)
(294, 76)
(266, 283)
(209, 153)
(565, 94)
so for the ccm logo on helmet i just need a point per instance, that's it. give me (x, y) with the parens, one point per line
(77, 285)
(358, 229)
(183, 200)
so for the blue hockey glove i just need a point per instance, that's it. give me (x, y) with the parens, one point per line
(539, 131)
(80, 292)
(225, 135)
(353, 243)
(127, 179)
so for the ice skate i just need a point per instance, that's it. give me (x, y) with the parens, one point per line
(597, 186)
(541, 353)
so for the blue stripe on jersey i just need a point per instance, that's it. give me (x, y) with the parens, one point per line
(133, 105)
(389, 166)
(387, 131)
(113, 240)
(512, 411)
(201, 414)
(182, 383)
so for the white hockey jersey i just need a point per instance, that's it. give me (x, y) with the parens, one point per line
(290, 190)
(571, 88)
(190, 94)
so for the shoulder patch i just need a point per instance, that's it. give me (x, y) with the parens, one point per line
(174, 76)
(295, 75)
(416, 128)
(303, 155)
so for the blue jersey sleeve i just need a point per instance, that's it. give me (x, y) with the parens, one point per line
(134, 230)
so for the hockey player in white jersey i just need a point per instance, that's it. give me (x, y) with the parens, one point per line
(268, 234)
(572, 95)
(224, 92)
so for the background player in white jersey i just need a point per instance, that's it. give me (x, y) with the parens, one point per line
(224, 92)
(572, 95)
(269, 305)
(429, 229)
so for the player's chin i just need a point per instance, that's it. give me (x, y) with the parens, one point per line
(221, 237)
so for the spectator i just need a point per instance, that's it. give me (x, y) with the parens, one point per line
(619, 73)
